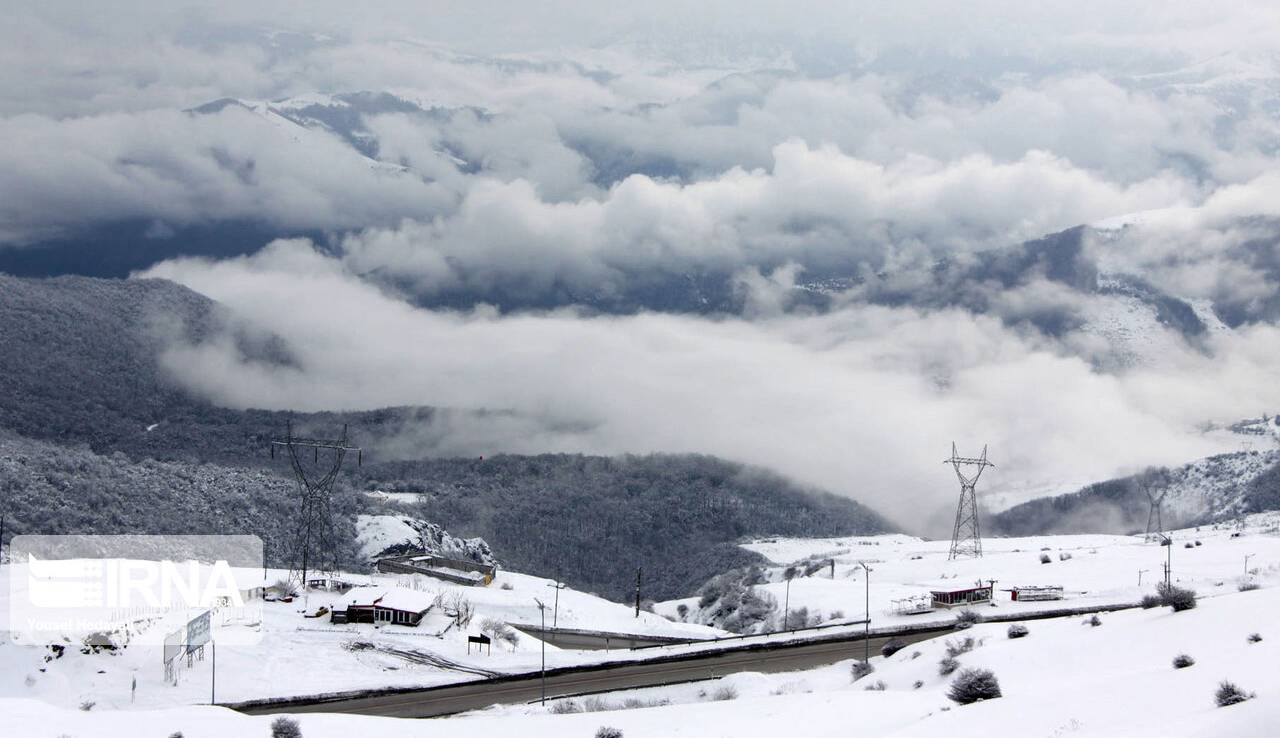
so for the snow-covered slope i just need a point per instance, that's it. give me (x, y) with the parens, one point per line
(1094, 570)
(385, 535)
(1065, 678)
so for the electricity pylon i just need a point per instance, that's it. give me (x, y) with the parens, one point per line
(315, 521)
(1155, 517)
(966, 538)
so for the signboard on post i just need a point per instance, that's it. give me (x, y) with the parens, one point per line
(198, 631)
(174, 647)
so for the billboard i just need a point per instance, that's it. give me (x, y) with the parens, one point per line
(174, 645)
(198, 630)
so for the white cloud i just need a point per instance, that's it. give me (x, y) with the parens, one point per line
(863, 400)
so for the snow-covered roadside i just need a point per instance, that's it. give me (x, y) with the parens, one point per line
(301, 656)
(1094, 570)
(1065, 678)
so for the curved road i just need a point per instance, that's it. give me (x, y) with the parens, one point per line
(672, 669)
(654, 670)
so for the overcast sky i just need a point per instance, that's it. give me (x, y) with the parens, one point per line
(579, 145)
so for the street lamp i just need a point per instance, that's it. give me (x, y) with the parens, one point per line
(786, 602)
(542, 610)
(1168, 567)
(866, 635)
(555, 613)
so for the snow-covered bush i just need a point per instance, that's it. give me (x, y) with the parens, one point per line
(682, 610)
(1254, 637)
(917, 685)
(1178, 598)
(879, 686)
(1094, 620)
(1064, 556)
(972, 685)
(500, 631)
(285, 727)
(1246, 586)
(565, 707)
(1230, 694)
(860, 669)
(1045, 558)
(955, 648)
(892, 646)
(967, 619)
(285, 588)
(947, 666)
(725, 693)
(1182, 661)
(606, 732)
(1150, 600)
(1017, 630)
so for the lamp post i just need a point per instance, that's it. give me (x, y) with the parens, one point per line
(555, 613)
(1168, 567)
(866, 634)
(542, 610)
(786, 603)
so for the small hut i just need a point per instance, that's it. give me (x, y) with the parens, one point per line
(953, 594)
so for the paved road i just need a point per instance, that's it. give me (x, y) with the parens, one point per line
(595, 640)
(670, 669)
(658, 668)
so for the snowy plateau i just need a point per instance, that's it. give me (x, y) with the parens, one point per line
(1068, 676)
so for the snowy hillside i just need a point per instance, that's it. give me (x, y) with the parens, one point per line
(301, 655)
(1212, 489)
(1065, 678)
(1093, 570)
(385, 535)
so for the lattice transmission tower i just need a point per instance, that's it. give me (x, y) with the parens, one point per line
(313, 537)
(966, 539)
(1149, 481)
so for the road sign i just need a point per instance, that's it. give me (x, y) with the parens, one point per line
(174, 645)
(198, 631)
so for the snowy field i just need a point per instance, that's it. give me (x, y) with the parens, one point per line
(1093, 570)
(303, 656)
(1066, 678)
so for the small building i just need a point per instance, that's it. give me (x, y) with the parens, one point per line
(953, 594)
(394, 605)
(1037, 593)
(458, 571)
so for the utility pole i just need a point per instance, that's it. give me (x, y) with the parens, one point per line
(213, 680)
(638, 571)
(542, 610)
(786, 603)
(555, 617)
(1168, 567)
(866, 635)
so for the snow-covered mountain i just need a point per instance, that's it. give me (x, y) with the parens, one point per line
(1215, 489)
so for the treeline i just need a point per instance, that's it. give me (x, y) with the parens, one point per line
(1208, 490)
(47, 488)
(593, 520)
